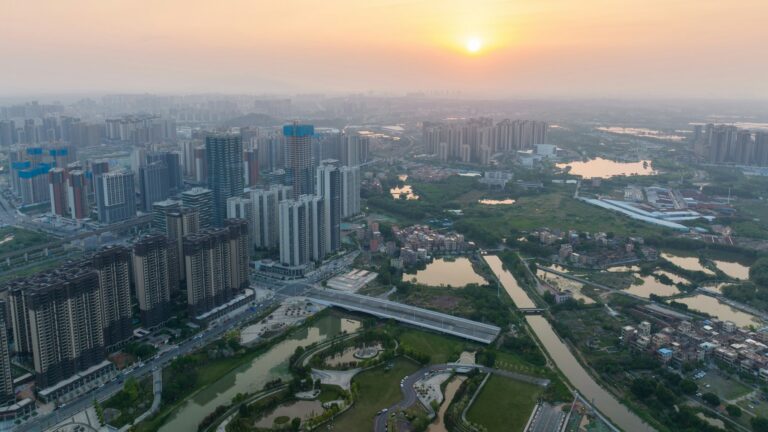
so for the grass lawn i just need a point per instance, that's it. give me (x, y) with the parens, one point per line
(330, 393)
(504, 405)
(513, 363)
(724, 388)
(377, 389)
(442, 349)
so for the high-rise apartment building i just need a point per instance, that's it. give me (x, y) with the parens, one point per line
(201, 200)
(172, 162)
(239, 254)
(243, 208)
(328, 186)
(301, 231)
(251, 167)
(266, 214)
(153, 279)
(350, 191)
(115, 196)
(113, 267)
(180, 224)
(224, 158)
(17, 299)
(6, 380)
(65, 322)
(153, 184)
(77, 195)
(354, 149)
(728, 144)
(57, 184)
(299, 165)
(206, 256)
(160, 212)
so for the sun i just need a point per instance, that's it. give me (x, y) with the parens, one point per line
(474, 45)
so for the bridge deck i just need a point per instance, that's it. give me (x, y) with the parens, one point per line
(437, 321)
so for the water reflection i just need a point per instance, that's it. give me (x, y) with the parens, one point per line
(719, 310)
(606, 168)
(457, 273)
(651, 285)
(687, 263)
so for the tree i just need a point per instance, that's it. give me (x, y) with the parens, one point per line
(711, 399)
(295, 424)
(643, 388)
(688, 386)
(759, 424)
(733, 410)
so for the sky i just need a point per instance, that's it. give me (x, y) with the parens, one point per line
(528, 48)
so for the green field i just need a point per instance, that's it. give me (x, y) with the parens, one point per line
(724, 388)
(13, 239)
(504, 405)
(377, 389)
(554, 210)
(442, 349)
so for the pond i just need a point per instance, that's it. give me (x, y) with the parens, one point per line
(733, 269)
(507, 201)
(457, 273)
(651, 285)
(687, 263)
(606, 168)
(251, 376)
(719, 310)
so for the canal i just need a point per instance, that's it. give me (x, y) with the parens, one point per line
(620, 415)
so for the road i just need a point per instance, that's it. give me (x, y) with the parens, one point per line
(43, 422)
(409, 393)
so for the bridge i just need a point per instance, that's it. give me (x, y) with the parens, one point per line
(424, 318)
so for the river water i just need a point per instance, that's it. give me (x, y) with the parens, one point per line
(252, 376)
(565, 360)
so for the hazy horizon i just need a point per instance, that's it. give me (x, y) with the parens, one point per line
(550, 49)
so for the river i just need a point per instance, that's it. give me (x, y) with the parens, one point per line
(252, 376)
(565, 360)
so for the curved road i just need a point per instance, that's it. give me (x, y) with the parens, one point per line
(409, 394)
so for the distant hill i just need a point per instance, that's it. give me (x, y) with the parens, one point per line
(253, 119)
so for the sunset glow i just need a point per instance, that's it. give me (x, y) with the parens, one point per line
(474, 45)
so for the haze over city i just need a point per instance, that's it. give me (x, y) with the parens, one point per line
(524, 48)
(384, 215)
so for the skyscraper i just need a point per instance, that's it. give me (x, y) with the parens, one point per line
(172, 162)
(200, 199)
(299, 142)
(153, 279)
(328, 185)
(301, 231)
(153, 184)
(243, 208)
(224, 158)
(65, 322)
(113, 267)
(115, 196)
(17, 297)
(251, 167)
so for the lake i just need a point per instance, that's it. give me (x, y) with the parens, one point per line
(733, 269)
(606, 168)
(651, 285)
(457, 273)
(252, 376)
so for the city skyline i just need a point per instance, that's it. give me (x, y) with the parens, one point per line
(553, 48)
